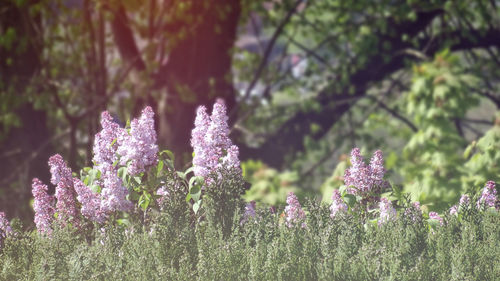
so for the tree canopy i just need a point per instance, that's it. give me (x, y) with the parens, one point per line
(304, 81)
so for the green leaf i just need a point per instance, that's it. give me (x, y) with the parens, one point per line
(196, 206)
(159, 168)
(343, 190)
(169, 154)
(181, 175)
(195, 193)
(95, 188)
(138, 179)
(350, 199)
(133, 196)
(125, 222)
(144, 200)
(122, 173)
(189, 170)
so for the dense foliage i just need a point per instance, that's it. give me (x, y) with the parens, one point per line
(134, 216)
(304, 81)
(344, 248)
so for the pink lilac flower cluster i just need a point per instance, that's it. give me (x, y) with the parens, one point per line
(338, 205)
(65, 192)
(435, 216)
(104, 149)
(366, 179)
(43, 206)
(164, 194)
(5, 228)
(139, 146)
(249, 212)
(488, 196)
(211, 144)
(464, 203)
(111, 139)
(114, 194)
(413, 212)
(293, 211)
(91, 202)
(387, 212)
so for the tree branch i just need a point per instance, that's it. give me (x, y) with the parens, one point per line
(267, 52)
(289, 138)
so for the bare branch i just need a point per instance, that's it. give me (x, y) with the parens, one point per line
(268, 50)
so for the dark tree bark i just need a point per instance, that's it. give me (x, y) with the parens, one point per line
(199, 67)
(25, 150)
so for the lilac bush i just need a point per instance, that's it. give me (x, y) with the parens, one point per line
(435, 216)
(387, 212)
(413, 213)
(488, 196)
(43, 206)
(293, 211)
(5, 228)
(91, 202)
(202, 152)
(105, 146)
(114, 194)
(365, 180)
(139, 145)
(123, 158)
(338, 205)
(463, 204)
(249, 212)
(65, 192)
(211, 144)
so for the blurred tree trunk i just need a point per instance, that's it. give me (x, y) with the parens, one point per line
(25, 149)
(198, 70)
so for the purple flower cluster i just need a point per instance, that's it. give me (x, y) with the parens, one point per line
(114, 194)
(139, 146)
(164, 194)
(293, 211)
(413, 213)
(488, 196)
(138, 149)
(435, 216)
(249, 212)
(211, 144)
(91, 202)
(65, 192)
(202, 152)
(463, 204)
(104, 149)
(366, 179)
(43, 206)
(5, 228)
(338, 205)
(387, 212)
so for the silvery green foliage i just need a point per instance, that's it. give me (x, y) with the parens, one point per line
(170, 247)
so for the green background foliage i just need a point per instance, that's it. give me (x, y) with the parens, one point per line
(304, 81)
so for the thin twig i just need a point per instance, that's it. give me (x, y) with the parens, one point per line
(267, 53)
